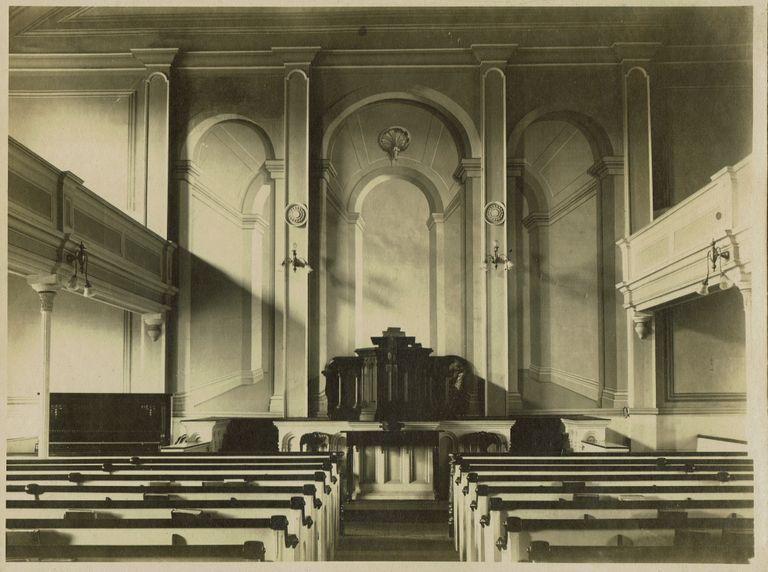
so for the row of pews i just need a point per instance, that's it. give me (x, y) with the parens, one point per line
(595, 507)
(278, 507)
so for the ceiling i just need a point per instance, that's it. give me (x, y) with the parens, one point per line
(104, 29)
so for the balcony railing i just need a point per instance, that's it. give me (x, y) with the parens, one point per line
(666, 260)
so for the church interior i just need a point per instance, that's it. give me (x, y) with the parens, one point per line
(478, 284)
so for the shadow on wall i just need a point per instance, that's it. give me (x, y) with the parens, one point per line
(223, 339)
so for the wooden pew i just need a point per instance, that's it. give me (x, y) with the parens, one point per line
(26, 536)
(518, 533)
(330, 463)
(299, 521)
(717, 553)
(500, 510)
(569, 492)
(221, 491)
(468, 461)
(326, 531)
(463, 516)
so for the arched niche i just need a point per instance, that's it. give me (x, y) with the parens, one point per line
(558, 223)
(228, 277)
(358, 166)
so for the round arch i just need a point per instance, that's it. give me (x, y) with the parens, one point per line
(598, 139)
(374, 177)
(455, 115)
(201, 127)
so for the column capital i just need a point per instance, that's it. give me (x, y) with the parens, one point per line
(607, 166)
(296, 57)
(44, 283)
(325, 168)
(435, 218)
(493, 55)
(636, 53)
(275, 168)
(355, 219)
(516, 167)
(471, 168)
(183, 169)
(156, 59)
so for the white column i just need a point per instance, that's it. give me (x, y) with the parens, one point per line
(436, 228)
(296, 325)
(276, 170)
(614, 392)
(356, 232)
(514, 228)
(327, 172)
(156, 135)
(469, 173)
(46, 288)
(494, 190)
(185, 176)
(638, 201)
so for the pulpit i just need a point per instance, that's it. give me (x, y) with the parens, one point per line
(397, 378)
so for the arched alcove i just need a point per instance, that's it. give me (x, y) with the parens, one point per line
(559, 214)
(231, 278)
(360, 169)
(396, 261)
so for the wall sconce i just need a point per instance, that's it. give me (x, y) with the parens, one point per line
(496, 259)
(79, 261)
(715, 257)
(295, 261)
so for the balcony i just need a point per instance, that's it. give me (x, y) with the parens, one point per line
(666, 261)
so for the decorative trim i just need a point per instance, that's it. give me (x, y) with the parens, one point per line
(677, 401)
(216, 388)
(495, 213)
(567, 380)
(581, 195)
(456, 202)
(296, 214)
(23, 400)
(536, 220)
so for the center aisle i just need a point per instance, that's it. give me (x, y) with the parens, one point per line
(396, 531)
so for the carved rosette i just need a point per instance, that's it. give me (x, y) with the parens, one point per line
(495, 213)
(393, 140)
(296, 214)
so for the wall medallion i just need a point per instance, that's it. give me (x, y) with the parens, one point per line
(296, 214)
(495, 213)
(393, 140)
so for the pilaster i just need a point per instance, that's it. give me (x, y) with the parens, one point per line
(297, 62)
(156, 105)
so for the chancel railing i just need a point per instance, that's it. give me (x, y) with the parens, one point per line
(397, 378)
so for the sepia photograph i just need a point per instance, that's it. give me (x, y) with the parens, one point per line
(418, 282)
